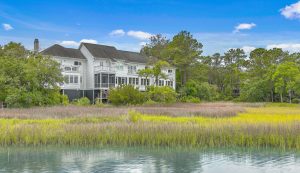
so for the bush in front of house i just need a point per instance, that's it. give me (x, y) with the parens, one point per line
(190, 99)
(163, 94)
(84, 101)
(127, 95)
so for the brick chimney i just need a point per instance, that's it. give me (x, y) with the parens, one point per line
(36, 45)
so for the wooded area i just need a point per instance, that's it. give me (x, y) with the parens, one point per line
(263, 76)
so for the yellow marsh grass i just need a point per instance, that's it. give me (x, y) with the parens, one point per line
(256, 127)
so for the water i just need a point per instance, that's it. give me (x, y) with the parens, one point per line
(85, 160)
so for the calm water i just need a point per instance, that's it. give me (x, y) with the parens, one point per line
(146, 160)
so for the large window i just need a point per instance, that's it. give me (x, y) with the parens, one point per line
(67, 68)
(160, 82)
(122, 81)
(131, 69)
(169, 83)
(71, 79)
(145, 82)
(133, 81)
(71, 69)
(104, 80)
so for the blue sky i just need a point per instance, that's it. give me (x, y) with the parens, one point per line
(127, 24)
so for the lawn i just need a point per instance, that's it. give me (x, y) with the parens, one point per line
(181, 125)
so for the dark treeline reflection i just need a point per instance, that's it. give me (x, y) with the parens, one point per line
(145, 160)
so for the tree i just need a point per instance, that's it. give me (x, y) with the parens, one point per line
(285, 79)
(182, 52)
(30, 81)
(155, 49)
(157, 71)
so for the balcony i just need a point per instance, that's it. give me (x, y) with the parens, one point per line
(104, 69)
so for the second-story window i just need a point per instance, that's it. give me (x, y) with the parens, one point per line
(74, 68)
(67, 68)
(71, 79)
(170, 71)
(77, 63)
(131, 69)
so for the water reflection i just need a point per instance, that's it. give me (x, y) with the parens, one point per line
(146, 160)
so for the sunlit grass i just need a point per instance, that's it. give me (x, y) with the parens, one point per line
(269, 126)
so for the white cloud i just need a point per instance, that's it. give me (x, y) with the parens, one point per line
(89, 41)
(142, 43)
(139, 35)
(69, 43)
(291, 11)
(76, 44)
(292, 48)
(117, 32)
(7, 27)
(244, 26)
(248, 49)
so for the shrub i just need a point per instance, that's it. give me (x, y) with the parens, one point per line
(204, 90)
(84, 101)
(150, 102)
(162, 94)
(295, 100)
(64, 100)
(190, 99)
(126, 95)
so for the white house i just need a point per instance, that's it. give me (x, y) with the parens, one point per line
(92, 69)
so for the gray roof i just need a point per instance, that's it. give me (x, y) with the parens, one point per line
(58, 50)
(133, 56)
(103, 51)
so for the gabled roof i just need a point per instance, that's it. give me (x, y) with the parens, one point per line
(103, 51)
(58, 50)
(133, 56)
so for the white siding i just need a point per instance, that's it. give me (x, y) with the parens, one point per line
(120, 68)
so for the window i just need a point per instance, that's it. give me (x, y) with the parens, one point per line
(71, 79)
(122, 80)
(170, 71)
(101, 63)
(131, 69)
(97, 80)
(112, 80)
(77, 63)
(136, 81)
(145, 82)
(74, 68)
(104, 78)
(169, 83)
(75, 79)
(160, 83)
(67, 68)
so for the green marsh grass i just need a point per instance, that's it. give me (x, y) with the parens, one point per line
(245, 126)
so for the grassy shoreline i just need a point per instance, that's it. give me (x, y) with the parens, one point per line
(257, 127)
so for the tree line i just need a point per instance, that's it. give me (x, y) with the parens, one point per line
(262, 76)
(30, 79)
